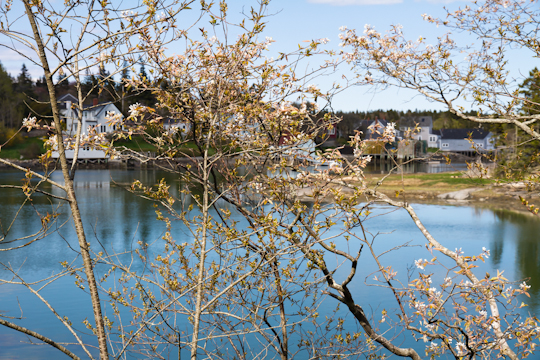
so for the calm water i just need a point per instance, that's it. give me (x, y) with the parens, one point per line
(116, 220)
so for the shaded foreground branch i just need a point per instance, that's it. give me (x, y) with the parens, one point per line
(39, 337)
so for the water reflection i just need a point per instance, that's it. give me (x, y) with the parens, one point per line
(118, 219)
(526, 238)
(382, 167)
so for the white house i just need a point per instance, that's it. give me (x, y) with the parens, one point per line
(425, 125)
(92, 116)
(373, 129)
(466, 140)
(172, 125)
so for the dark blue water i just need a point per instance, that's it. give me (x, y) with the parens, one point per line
(116, 220)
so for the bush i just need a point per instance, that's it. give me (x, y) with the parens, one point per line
(7, 133)
(32, 151)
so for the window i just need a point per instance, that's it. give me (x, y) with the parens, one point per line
(332, 131)
(481, 145)
(102, 128)
(445, 145)
(432, 139)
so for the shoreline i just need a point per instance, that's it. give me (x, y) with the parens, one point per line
(451, 188)
(492, 196)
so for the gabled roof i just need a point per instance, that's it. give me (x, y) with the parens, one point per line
(68, 97)
(425, 121)
(412, 121)
(460, 134)
(371, 128)
(98, 108)
(364, 124)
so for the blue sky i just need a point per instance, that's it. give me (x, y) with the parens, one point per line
(303, 20)
(295, 21)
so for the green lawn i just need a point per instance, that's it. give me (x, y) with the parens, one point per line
(137, 143)
(29, 148)
(438, 182)
(449, 178)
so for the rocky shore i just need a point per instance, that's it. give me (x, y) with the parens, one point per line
(497, 196)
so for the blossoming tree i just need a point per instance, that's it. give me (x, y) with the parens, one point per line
(270, 238)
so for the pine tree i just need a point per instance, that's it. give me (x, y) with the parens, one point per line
(89, 84)
(530, 88)
(124, 77)
(62, 84)
(143, 96)
(24, 82)
(8, 99)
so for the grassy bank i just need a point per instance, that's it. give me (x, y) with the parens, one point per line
(27, 148)
(436, 183)
(137, 143)
(30, 148)
(486, 193)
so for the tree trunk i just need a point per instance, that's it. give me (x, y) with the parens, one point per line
(83, 244)
(200, 278)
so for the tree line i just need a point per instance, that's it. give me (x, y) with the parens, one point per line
(21, 96)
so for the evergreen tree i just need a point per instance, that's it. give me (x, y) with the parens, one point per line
(24, 92)
(62, 84)
(89, 84)
(122, 89)
(143, 96)
(530, 88)
(106, 91)
(6, 84)
(142, 73)
(24, 83)
(8, 100)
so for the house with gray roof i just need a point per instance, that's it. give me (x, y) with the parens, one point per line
(371, 129)
(425, 127)
(93, 115)
(465, 140)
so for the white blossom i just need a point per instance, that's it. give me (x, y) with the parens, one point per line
(135, 109)
(460, 347)
(524, 286)
(420, 263)
(29, 122)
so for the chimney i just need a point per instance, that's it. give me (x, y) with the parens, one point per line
(95, 102)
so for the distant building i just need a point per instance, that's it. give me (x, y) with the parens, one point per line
(457, 140)
(371, 129)
(425, 125)
(93, 115)
(177, 126)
